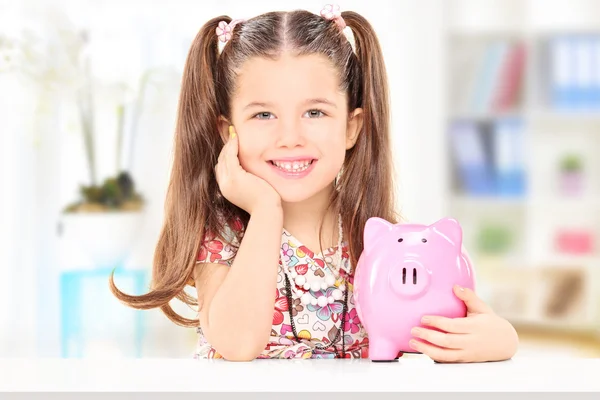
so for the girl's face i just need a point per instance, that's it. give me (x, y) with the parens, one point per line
(293, 123)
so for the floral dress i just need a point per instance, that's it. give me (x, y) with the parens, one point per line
(314, 324)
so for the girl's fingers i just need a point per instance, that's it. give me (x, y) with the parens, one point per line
(450, 325)
(438, 354)
(441, 339)
(231, 151)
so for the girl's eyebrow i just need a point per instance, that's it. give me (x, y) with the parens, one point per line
(318, 100)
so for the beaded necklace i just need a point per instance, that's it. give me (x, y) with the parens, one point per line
(301, 283)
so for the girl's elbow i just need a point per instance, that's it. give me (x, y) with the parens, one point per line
(242, 346)
(241, 352)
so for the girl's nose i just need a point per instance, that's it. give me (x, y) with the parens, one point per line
(290, 134)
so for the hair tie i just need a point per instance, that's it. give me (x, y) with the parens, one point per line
(224, 30)
(332, 12)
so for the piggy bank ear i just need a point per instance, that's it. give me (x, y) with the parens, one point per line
(374, 229)
(451, 229)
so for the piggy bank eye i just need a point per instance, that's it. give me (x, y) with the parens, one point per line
(400, 240)
(424, 240)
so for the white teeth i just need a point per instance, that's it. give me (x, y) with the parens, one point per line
(295, 166)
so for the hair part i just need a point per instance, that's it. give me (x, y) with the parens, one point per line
(194, 206)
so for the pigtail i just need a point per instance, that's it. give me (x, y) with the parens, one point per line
(192, 186)
(374, 165)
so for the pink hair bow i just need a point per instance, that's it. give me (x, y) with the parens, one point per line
(225, 30)
(333, 12)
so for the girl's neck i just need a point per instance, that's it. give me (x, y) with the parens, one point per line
(303, 220)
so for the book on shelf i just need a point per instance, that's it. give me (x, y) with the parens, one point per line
(494, 78)
(488, 157)
(574, 66)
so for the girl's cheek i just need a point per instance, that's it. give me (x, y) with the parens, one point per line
(248, 160)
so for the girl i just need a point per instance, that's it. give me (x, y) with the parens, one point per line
(282, 153)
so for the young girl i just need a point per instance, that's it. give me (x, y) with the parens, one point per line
(282, 153)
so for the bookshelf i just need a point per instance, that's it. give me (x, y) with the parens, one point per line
(523, 138)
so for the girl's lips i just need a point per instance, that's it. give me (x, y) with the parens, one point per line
(292, 159)
(293, 174)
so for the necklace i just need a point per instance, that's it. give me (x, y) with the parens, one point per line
(316, 285)
(326, 281)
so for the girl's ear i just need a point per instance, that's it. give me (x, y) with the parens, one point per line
(223, 126)
(355, 122)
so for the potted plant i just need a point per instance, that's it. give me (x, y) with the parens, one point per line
(106, 218)
(571, 174)
(107, 215)
(494, 239)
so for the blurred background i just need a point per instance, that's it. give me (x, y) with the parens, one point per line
(496, 122)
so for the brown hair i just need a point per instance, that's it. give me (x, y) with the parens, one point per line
(194, 206)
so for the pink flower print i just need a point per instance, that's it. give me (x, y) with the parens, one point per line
(281, 304)
(351, 322)
(288, 255)
(212, 247)
(288, 252)
(324, 313)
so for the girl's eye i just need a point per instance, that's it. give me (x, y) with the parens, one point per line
(263, 115)
(315, 113)
(309, 113)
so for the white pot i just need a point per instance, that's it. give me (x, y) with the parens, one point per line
(106, 237)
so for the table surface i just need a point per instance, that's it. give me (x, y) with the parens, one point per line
(411, 373)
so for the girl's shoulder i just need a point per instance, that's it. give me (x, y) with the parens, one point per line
(221, 247)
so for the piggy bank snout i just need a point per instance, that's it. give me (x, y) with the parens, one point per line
(409, 279)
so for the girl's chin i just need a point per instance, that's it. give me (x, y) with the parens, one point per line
(291, 194)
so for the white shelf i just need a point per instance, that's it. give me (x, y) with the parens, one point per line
(551, 203)
(551, 16)
(471, 202)
(488, 32)
(485, 116)
(574, 261)
(510, 17)
(504, 17)
(564, 117)
(534, 218)
(558, 325)
(557, 202)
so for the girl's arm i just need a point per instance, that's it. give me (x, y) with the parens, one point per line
(236, 303)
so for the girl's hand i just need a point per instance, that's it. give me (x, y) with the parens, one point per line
(481, 336)
(240, 187)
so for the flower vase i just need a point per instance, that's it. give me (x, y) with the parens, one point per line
(106, 237)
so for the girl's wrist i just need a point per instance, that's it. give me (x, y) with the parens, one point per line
(269, 209)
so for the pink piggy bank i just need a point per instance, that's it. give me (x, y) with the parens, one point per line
(404, 272)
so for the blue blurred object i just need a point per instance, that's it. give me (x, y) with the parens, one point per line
(471, 160)
(574, 80)
(488, 157)
(508, 157)
(93, 322)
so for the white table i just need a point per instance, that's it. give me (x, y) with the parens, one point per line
(411, 373)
